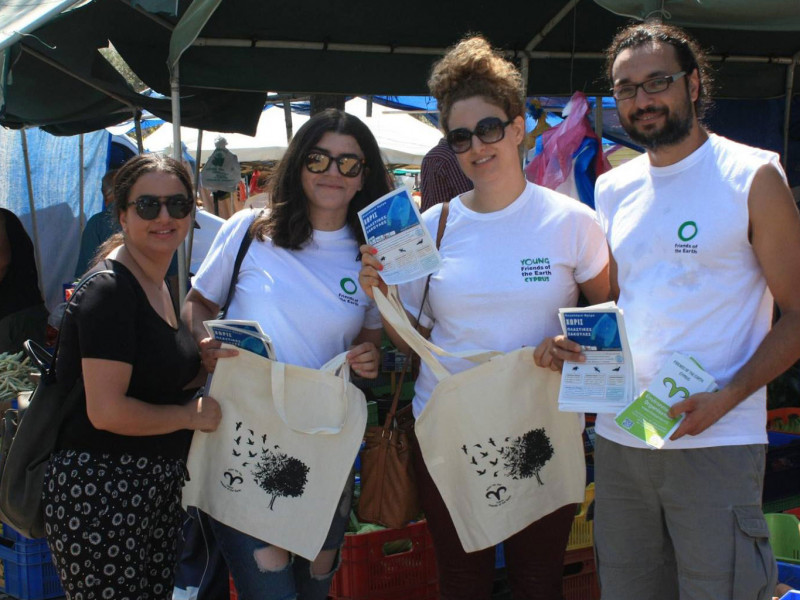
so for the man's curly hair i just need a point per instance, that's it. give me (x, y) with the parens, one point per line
(689, 53)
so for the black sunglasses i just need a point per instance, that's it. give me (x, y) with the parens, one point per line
(148, 207)
(349, 165)
(489, 130)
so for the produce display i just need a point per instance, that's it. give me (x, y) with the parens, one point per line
(14, 374)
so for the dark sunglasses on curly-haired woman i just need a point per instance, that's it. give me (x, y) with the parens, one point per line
(349, 165)
(489, 130)
(148, 207)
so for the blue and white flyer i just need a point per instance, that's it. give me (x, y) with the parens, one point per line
(604, 383)
(246, 335)
(392, 225)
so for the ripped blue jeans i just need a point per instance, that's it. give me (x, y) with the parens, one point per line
(295, 580)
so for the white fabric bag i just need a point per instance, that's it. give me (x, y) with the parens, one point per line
(498, 449)
(277, 464)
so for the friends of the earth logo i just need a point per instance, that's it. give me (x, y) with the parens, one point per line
(535, 269)
(686, 233)
(349, 287)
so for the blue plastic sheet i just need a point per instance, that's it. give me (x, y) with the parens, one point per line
(55, 172)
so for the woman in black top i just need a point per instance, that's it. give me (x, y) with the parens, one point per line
(112, 494)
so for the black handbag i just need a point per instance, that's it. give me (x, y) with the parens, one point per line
(29, 438)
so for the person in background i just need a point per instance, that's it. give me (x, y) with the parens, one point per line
(99, 227)
(703, 234)
(112, 493)
(22, 311)
(298, 281)
(441, 178)
(480, 298)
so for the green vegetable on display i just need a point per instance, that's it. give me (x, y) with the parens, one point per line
(14, 374)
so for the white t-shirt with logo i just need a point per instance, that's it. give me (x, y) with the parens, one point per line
(504, 275)
(308, 301)
(689, 279)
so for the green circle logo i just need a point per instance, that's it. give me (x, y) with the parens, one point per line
(687, 231)
(348, 286)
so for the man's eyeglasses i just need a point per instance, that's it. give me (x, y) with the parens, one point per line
(148, 207)
(651, 86)
(489, 130)
(349, 165)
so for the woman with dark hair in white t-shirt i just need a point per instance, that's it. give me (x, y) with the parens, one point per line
(513, 253)
(298, 280)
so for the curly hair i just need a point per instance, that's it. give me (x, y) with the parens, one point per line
(472, 68)
(688, 51)
(287, 222)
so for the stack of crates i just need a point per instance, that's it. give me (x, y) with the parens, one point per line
(27, 567)
(580, 574)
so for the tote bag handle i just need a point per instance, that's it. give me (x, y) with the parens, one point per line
(391, 308)
(336, 367)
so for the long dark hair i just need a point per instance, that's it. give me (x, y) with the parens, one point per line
(126, 177)
(287, 223)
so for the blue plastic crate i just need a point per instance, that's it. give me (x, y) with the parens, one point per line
(789, 574)
(781, 438)
(29, 575)
(13, 538)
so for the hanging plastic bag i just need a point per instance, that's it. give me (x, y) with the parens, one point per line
(221, 173)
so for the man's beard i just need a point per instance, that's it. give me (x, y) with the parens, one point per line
(677, 127)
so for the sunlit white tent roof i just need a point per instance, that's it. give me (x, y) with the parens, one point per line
(269, 143)
(402, 138)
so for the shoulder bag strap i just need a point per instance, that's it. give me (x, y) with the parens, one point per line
(39, 356)
(246, 241)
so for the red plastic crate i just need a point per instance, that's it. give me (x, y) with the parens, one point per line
(367, 572)
(580, 575)
(29, 575)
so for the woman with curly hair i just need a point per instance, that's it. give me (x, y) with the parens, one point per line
(298, 280)
(482, 297)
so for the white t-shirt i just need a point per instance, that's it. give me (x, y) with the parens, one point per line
(689, 279)
(504, 275)
(308, 301)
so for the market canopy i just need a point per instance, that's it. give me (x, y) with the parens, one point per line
(231, 52)
(54, 77)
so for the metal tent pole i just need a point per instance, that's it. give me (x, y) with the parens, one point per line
(81, 183)
(174, 81)
(137, 124)
(190, 238)
(32, 205)
(287, 114)
(787, 111)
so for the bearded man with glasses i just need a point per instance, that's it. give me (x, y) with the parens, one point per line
(703, 234)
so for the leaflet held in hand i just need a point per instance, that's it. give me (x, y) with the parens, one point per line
(604, 383)
(246, 335)
(392, 224)
(647, 418)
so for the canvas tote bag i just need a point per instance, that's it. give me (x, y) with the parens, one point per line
(499, 451)
(276, 466)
